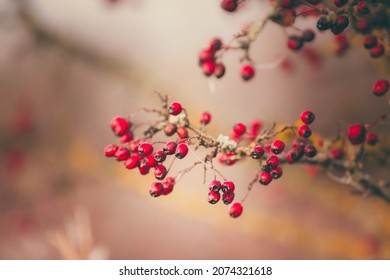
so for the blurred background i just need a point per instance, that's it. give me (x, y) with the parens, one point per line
(67, 67)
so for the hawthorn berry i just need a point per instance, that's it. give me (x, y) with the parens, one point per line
(370, 41)
(229, 5)
(235, 210)
(175, 108)
(156, 189)
(145, 149)
(307, 117)
(213, 197)
(132, 162)
(294, 42)
(362, 8)
(304, 131)
(310, 151)
(308, 35)
(380, 87)
(277, 147)
(324, 24)
(287, 4)
(336, 153)
(122, 153)
(227, 158)
(294, 155)
(170, 148)
(215, 44)
(371, 139)
(149, 161)
(356, 134)
(215, 186)
(272, 161)
(120, 126)
(340, 3)
(340, 24)
(362, 25)
(168, 187)
(205, 55)
(377, 51)
(160, 171)
(247, 72)
(228, 186)
(170, 129)
(228, 197)
(127, 137)
(143, 169)
(182, 132)
(159, 156)
(257, 152)
(208, 67)
(181, 150)
(239, 128)
(265, 178)
(219, 70)
(276, 173)
(110, 150)
(205, 118)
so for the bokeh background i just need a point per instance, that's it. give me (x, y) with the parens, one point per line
(67, 67)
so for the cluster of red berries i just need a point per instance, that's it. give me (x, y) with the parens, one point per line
(357, 134)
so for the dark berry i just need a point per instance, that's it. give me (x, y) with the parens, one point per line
(229, 5)
(362, 25)
(170, 148)
(340, 24)
(310, 151)
(324, 24)
(370, 41)
(170, 129)
(340, 3)
(265, 178)
(362, 8)
(110, 150)
(371, 139)
(307, 117)
(156, 189)
(175, 108)
(247, 72)
(308, 35)
(276, 173)
(380, 87)
(377, 51)
(294, 42)
(145, 149)
(287, 4)
(215, 44)
(304, 131)
(257, 152)
(294, 155)
(356, 134)
(235, 210)
(228, 197)
(213, 197)
(277, 147)
(228, 186)
(181, 150)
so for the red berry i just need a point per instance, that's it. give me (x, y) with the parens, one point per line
(307, 117)
(160, 172)
(310, 151)
(205, 118)
(213, 197)
(110, 150)
(159, 156)
(235, 210)
(247, 72)
(205, 55)
(362, 8)
(370, 41)
(340, 24)
(215, 186)
(227, 158)
(132, 162)
(181, 150)
(182, 132)
(122, 154)
(265, 178)
(362, 25)
(336, 153)
(170, 129)
(371, 139)
(228, 197)
(219, 70)
(143, 169)
(356, 134)
(257, 152)
(156, 189)
(276, 173)
(208, 68)
(295, 154)
(175, 108)
(149, 161)
(168, 187)
(145, 149)
(229, 5)
(304, 131)
(127, 137)
(287, 4)
(308, 35)
(120, 126)
(340, 3)
(239, 128)
(277, 147)
(272, 161)
(215, 44)
(377, 51)
(380, 87)
(295, 42)
(228, 186)
(170, 148)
